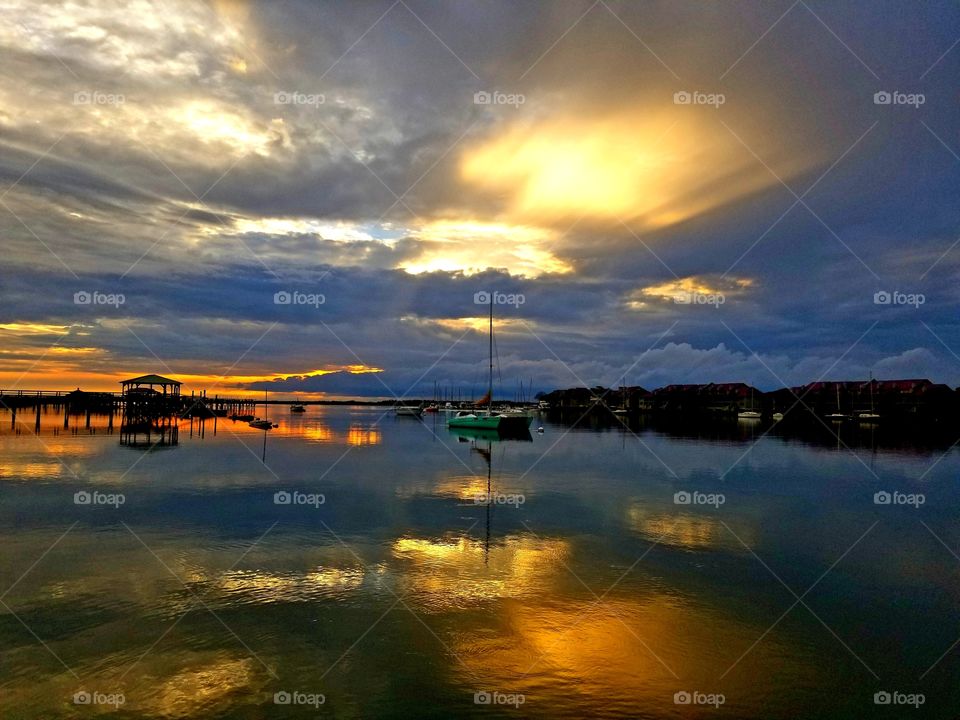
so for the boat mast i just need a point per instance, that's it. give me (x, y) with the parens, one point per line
(490, 383)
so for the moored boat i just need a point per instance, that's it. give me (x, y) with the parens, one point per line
(506, 421)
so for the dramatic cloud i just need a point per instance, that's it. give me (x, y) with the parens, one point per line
(669, 192)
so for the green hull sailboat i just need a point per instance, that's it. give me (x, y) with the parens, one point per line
(490, 420)
(480, 422)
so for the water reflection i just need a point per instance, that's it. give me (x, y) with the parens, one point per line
(318, 433)
(685, 529)
(195, 690)
(257, 586)
(596, 597)
(363, 435)
(457, 572)
(624, 657)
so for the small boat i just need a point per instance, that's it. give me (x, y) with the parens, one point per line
(297, 408)
(838, 416)
(474, 433)
(777, 416)
(872, 416)
(409, 411)
(750, 414)
(262, 424)
(243, 418)
(504, 422)
(431, 409)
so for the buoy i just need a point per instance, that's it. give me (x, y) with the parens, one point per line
(540, 429)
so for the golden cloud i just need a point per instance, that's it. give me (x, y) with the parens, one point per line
(650, 168)
(471, 246)
(687, 290)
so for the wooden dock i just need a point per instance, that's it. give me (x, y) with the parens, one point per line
(132, 410)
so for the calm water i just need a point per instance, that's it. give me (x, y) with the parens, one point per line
(404, 594)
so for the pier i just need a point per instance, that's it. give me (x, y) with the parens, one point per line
(144, 403)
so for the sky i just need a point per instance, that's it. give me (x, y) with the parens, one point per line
(318, 198)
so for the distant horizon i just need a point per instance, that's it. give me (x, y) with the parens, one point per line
(498, 394)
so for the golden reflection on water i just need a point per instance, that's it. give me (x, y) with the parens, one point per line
(462, 487)
(264, 587)
(356, 435)
(685, 529)
(599, 647)
(318, 433)
(621, 652)
(363, 435)
(162, 684)
(466, 488)
(192, 691)
(29, 470)
(447, 573)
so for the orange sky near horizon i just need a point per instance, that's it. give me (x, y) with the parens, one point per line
(229, 385)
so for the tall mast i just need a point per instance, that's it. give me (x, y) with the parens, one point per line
(490, 383)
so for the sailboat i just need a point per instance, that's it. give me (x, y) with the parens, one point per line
(262, 424)
(408, 411)
(433, 407)
(490, 420)
(872, 416)
(622, 410)
(749, 414)
(838, 416)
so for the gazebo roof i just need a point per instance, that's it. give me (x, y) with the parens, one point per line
(150, 380)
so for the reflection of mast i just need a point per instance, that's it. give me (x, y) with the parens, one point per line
(487, 455)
